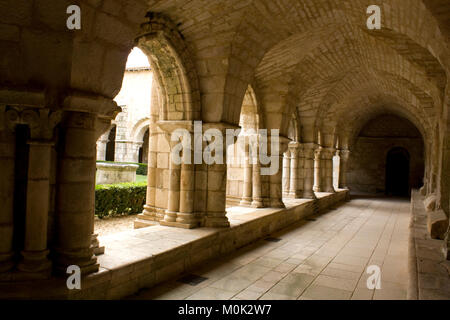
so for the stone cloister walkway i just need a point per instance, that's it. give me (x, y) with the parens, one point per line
(322, 257)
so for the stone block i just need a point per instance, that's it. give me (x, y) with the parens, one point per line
(437, 223)
(430, 202)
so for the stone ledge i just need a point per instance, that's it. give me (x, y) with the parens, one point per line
(428, 272)
(142, 258)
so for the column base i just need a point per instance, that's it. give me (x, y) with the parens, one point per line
(245, 202)
(257, 203)
(95, 244)
(85, 259)
(309, 194)
(6, 262)
(216, 222)
(277, 203)
(143, 221)
(35, 265)
(295, 195)
(170, 216)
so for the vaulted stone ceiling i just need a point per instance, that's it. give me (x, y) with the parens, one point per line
(317, 57)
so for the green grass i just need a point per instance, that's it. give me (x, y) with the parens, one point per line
(140, 178)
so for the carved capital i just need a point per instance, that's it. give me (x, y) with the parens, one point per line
(41, 122)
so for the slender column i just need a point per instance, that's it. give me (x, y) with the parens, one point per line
(173, 203)
(76, 194)
(248, 173)
(257, 183)
(101, 146)
(286, 172)
(343, 155)
(149, 207)
(327, 169)
(35, 250)
(308, 168)
(7, 163)
(293, 185)
(318, 170)
(186, 217)
(275, 180)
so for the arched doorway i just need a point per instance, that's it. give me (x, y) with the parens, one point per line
(111, 145)
(397, 172)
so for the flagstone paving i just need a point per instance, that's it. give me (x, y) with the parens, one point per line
(323, 257)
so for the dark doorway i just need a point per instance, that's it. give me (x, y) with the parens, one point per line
(397, 173)
(111, 145)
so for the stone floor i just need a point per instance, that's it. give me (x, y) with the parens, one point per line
(323, 257)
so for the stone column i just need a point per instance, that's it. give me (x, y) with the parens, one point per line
(248, 174)
(343, 158)
(275, 180)
(76, 193)
(318, 170)
(327, 169)
(286, 173)
(215, 215)
(173, 202)
(7, 164)
(257, 201)
(308, 169)
(294, 191)
(186, 217)
(149, 207)
(35, 249)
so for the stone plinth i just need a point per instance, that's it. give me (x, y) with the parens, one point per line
(109, 173)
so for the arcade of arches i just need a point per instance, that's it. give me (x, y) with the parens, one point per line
(356, 109)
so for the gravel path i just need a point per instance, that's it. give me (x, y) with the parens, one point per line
(112, 225)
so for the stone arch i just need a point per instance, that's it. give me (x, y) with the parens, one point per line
(239, 165)
(174, 71)
(139, 129)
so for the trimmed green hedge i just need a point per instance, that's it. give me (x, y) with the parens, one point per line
(119, 199)
(142, 170)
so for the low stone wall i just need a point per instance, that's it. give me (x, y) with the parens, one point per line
(429, 271)
(109, 173)
(145, 257)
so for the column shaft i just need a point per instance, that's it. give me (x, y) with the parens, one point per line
(248, 173)
(7, 163)
(344, 155)
(318, 170)
(35, 246)
(308, 168)
(76, 194)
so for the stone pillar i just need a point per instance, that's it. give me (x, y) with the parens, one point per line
(76, 194)
(327, 169)
(294, 191)
(248, 174)
(257, 201)
(308, 169)
(7, 163)
(35, 249)
(186, 217)
(286, 173)
(318, 170)
(215, 215)
(343, 156)
(180, 202)
(149, 212)
(173, 202)
(275, 180)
